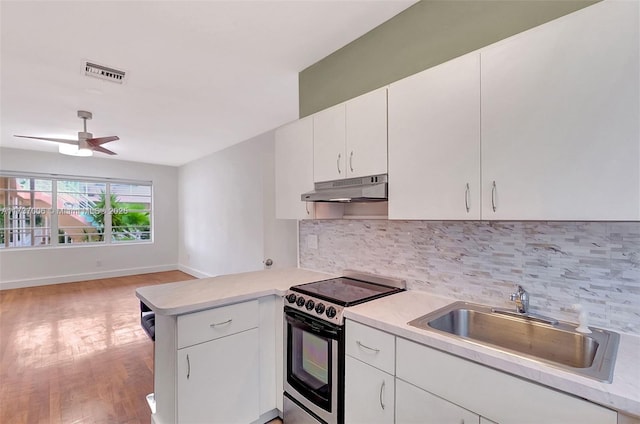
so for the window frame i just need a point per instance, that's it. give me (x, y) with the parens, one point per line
(54, 211)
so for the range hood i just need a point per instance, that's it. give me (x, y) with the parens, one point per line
(361, 189)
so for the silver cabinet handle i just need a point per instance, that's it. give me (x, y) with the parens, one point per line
(367, 347)
(218, 324)
(493, 196)
(382, 394)
(467, 192)
(338, 163)
(306, 206)
(188, 367)
(351, 161)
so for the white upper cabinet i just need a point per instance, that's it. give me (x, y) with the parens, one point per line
(560, 126)
(329, 148)
(434, 142)
(294, 169)
(350, 139)
(366, 127)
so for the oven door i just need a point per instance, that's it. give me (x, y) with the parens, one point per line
(312, 364)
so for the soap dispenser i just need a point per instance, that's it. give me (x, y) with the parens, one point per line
(583, 318)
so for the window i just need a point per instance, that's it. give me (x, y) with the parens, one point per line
(37, 211)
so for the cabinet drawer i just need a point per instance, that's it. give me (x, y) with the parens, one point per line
(214, 323)
(492, 393)
(414, 405)
(371, 346)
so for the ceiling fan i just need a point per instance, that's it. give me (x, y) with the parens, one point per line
(85, 145)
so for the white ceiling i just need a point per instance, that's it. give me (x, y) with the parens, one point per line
(201, 75)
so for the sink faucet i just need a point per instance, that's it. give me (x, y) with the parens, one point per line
(521, 297)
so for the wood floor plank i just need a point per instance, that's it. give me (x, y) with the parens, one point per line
(75, 352)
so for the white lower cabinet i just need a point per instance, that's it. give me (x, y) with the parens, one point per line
(369, 394)
(218, 381)
(390, 379)
(416, 406)
(496, 395)
(217, 366)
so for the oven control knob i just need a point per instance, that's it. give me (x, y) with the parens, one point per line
(310, 304)
(320, 308)
(300, 301)
(291, 298)
(331, 312)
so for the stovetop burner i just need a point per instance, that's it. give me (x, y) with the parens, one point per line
(345, 291)
(327, 299)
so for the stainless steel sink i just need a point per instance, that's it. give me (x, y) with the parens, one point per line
(555, 343)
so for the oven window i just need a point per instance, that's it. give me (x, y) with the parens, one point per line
(315, 360)
(310, 359)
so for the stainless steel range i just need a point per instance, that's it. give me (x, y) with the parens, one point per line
(314, 343)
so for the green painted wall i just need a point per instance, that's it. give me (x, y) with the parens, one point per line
(424, 35)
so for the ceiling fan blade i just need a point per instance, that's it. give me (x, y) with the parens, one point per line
(102, 140)
(102, 150)
(57, 140)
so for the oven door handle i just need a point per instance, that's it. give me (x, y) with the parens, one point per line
(313, 325)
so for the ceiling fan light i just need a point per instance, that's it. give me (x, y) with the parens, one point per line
(85, 152)
(71, 150)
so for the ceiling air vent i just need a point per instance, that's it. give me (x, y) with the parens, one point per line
(104, 72)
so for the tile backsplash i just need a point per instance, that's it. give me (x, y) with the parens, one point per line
(596, 264)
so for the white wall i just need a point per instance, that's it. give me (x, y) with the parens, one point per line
(27, 267)
(227, 212)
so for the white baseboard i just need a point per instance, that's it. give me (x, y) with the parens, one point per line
(70, 278)
(194, 272)
(268, 416)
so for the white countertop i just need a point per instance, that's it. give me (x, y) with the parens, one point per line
(392, 313)
(195, 295)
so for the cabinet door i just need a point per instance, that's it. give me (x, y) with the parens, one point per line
(218, 381)
(369, 394)
(366, 127)
(486, 391)
(434, 142)
(329, 144)
(414, 405)
(560, 127)
(294, 169)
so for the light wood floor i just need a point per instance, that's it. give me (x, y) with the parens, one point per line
(75, 353)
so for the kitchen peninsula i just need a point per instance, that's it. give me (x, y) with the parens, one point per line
(229, 328)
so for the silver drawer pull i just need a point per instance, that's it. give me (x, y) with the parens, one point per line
(219, 324)
(494, 202)
(188, 367)
(367, 347)
(466, 198)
